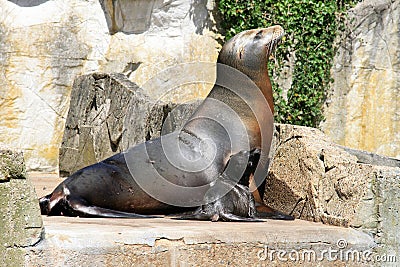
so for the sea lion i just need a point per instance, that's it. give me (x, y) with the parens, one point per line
(177, 171)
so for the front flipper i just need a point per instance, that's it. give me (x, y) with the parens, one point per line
(198, 214)
(229, 217)
(214, 217)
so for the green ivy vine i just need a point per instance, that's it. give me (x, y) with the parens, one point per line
(311, 27)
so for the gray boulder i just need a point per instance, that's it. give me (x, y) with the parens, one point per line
(108, 114)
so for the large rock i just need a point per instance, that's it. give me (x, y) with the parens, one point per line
(317, 180)
(20, 221)
(362, 109)
(108, 115)
(155, 37)
(44, 45)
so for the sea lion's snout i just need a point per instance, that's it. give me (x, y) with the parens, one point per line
(272, 37)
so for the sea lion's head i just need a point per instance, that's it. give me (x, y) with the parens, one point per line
(249, 52)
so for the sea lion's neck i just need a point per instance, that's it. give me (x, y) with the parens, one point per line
(258, 73)
(263, 82)
(234, 92)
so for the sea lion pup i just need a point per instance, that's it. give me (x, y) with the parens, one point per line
(174, 172)
(236, 205)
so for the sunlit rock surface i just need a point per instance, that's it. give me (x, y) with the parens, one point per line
(362, 111)
(45, 45)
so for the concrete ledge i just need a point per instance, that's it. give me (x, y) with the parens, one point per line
(167, 242)
(101, 232)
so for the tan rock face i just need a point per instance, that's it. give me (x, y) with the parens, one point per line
(44, 45)
(362, 110)
(43, 48)
(316, 180)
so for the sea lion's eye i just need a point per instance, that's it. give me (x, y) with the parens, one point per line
(241, 50)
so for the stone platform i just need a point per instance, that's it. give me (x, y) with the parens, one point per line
(168, 242)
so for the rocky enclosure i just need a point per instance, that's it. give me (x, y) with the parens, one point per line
(46, 45)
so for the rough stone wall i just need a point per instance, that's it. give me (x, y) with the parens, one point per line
(316, 180)
(44, 45)
(363, 108)
(20, 221)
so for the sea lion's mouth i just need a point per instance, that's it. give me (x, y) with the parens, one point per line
(276, 40)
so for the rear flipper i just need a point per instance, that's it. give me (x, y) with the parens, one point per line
(79, 207)
(265, 212)
(60, 202)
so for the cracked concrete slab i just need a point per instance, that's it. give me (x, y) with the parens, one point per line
(68, 232)
(164, 241)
